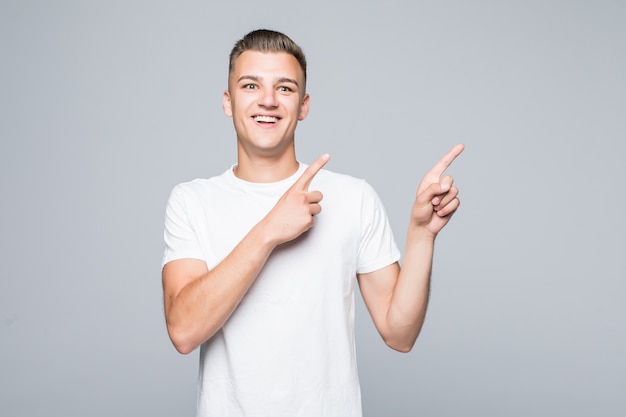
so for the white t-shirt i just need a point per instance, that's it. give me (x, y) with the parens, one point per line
(288, 349)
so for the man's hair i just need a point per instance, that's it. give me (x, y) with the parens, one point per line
(264, 40)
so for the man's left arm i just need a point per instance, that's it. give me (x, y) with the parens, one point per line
(397, 297)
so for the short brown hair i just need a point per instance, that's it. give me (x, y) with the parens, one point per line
(265, 40)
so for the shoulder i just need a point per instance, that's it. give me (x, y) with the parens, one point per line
(200, 186)
(195, 195)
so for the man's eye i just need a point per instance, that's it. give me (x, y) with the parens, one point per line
(284, 89)
(249, 86)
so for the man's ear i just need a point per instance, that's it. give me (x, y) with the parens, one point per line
(227, 105)
(304, 107)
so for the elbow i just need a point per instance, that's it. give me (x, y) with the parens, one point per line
(402, 337)
(183, 343)
(183, 349)
(401, 341)
(186, 336)
(402, 347)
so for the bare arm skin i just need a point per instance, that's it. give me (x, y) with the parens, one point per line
(198, 301)
(397, 297)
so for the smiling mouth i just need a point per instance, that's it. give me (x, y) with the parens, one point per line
(266, 119)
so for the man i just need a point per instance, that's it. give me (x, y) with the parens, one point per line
(263, 280)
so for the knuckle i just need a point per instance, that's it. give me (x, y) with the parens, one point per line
(302, 198)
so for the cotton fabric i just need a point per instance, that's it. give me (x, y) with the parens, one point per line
(288, 349)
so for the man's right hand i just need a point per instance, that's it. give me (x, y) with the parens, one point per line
(294, 212)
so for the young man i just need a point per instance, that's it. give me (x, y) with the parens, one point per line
(263, 280)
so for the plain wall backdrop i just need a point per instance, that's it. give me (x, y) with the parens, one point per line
(105, 106)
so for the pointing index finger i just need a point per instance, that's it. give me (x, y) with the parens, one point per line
(443, 164)
(309, 173)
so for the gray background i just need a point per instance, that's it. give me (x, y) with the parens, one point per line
(105, 106)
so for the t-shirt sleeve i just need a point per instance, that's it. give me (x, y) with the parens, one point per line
(377, 247)
(179, 235)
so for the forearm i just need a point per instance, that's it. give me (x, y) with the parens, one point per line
(205, 303)
(409, 301)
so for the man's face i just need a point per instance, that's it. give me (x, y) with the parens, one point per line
(266, 99)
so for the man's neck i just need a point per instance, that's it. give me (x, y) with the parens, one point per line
(265, 169)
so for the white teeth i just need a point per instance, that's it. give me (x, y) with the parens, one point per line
(265, 119)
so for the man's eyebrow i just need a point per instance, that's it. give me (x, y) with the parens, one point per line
(258, 79)
(249, 77)
(288, 80)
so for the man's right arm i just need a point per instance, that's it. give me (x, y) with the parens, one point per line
(198, 301)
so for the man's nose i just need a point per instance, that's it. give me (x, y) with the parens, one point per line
(267, 98)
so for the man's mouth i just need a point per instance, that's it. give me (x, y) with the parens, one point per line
(266, 119)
